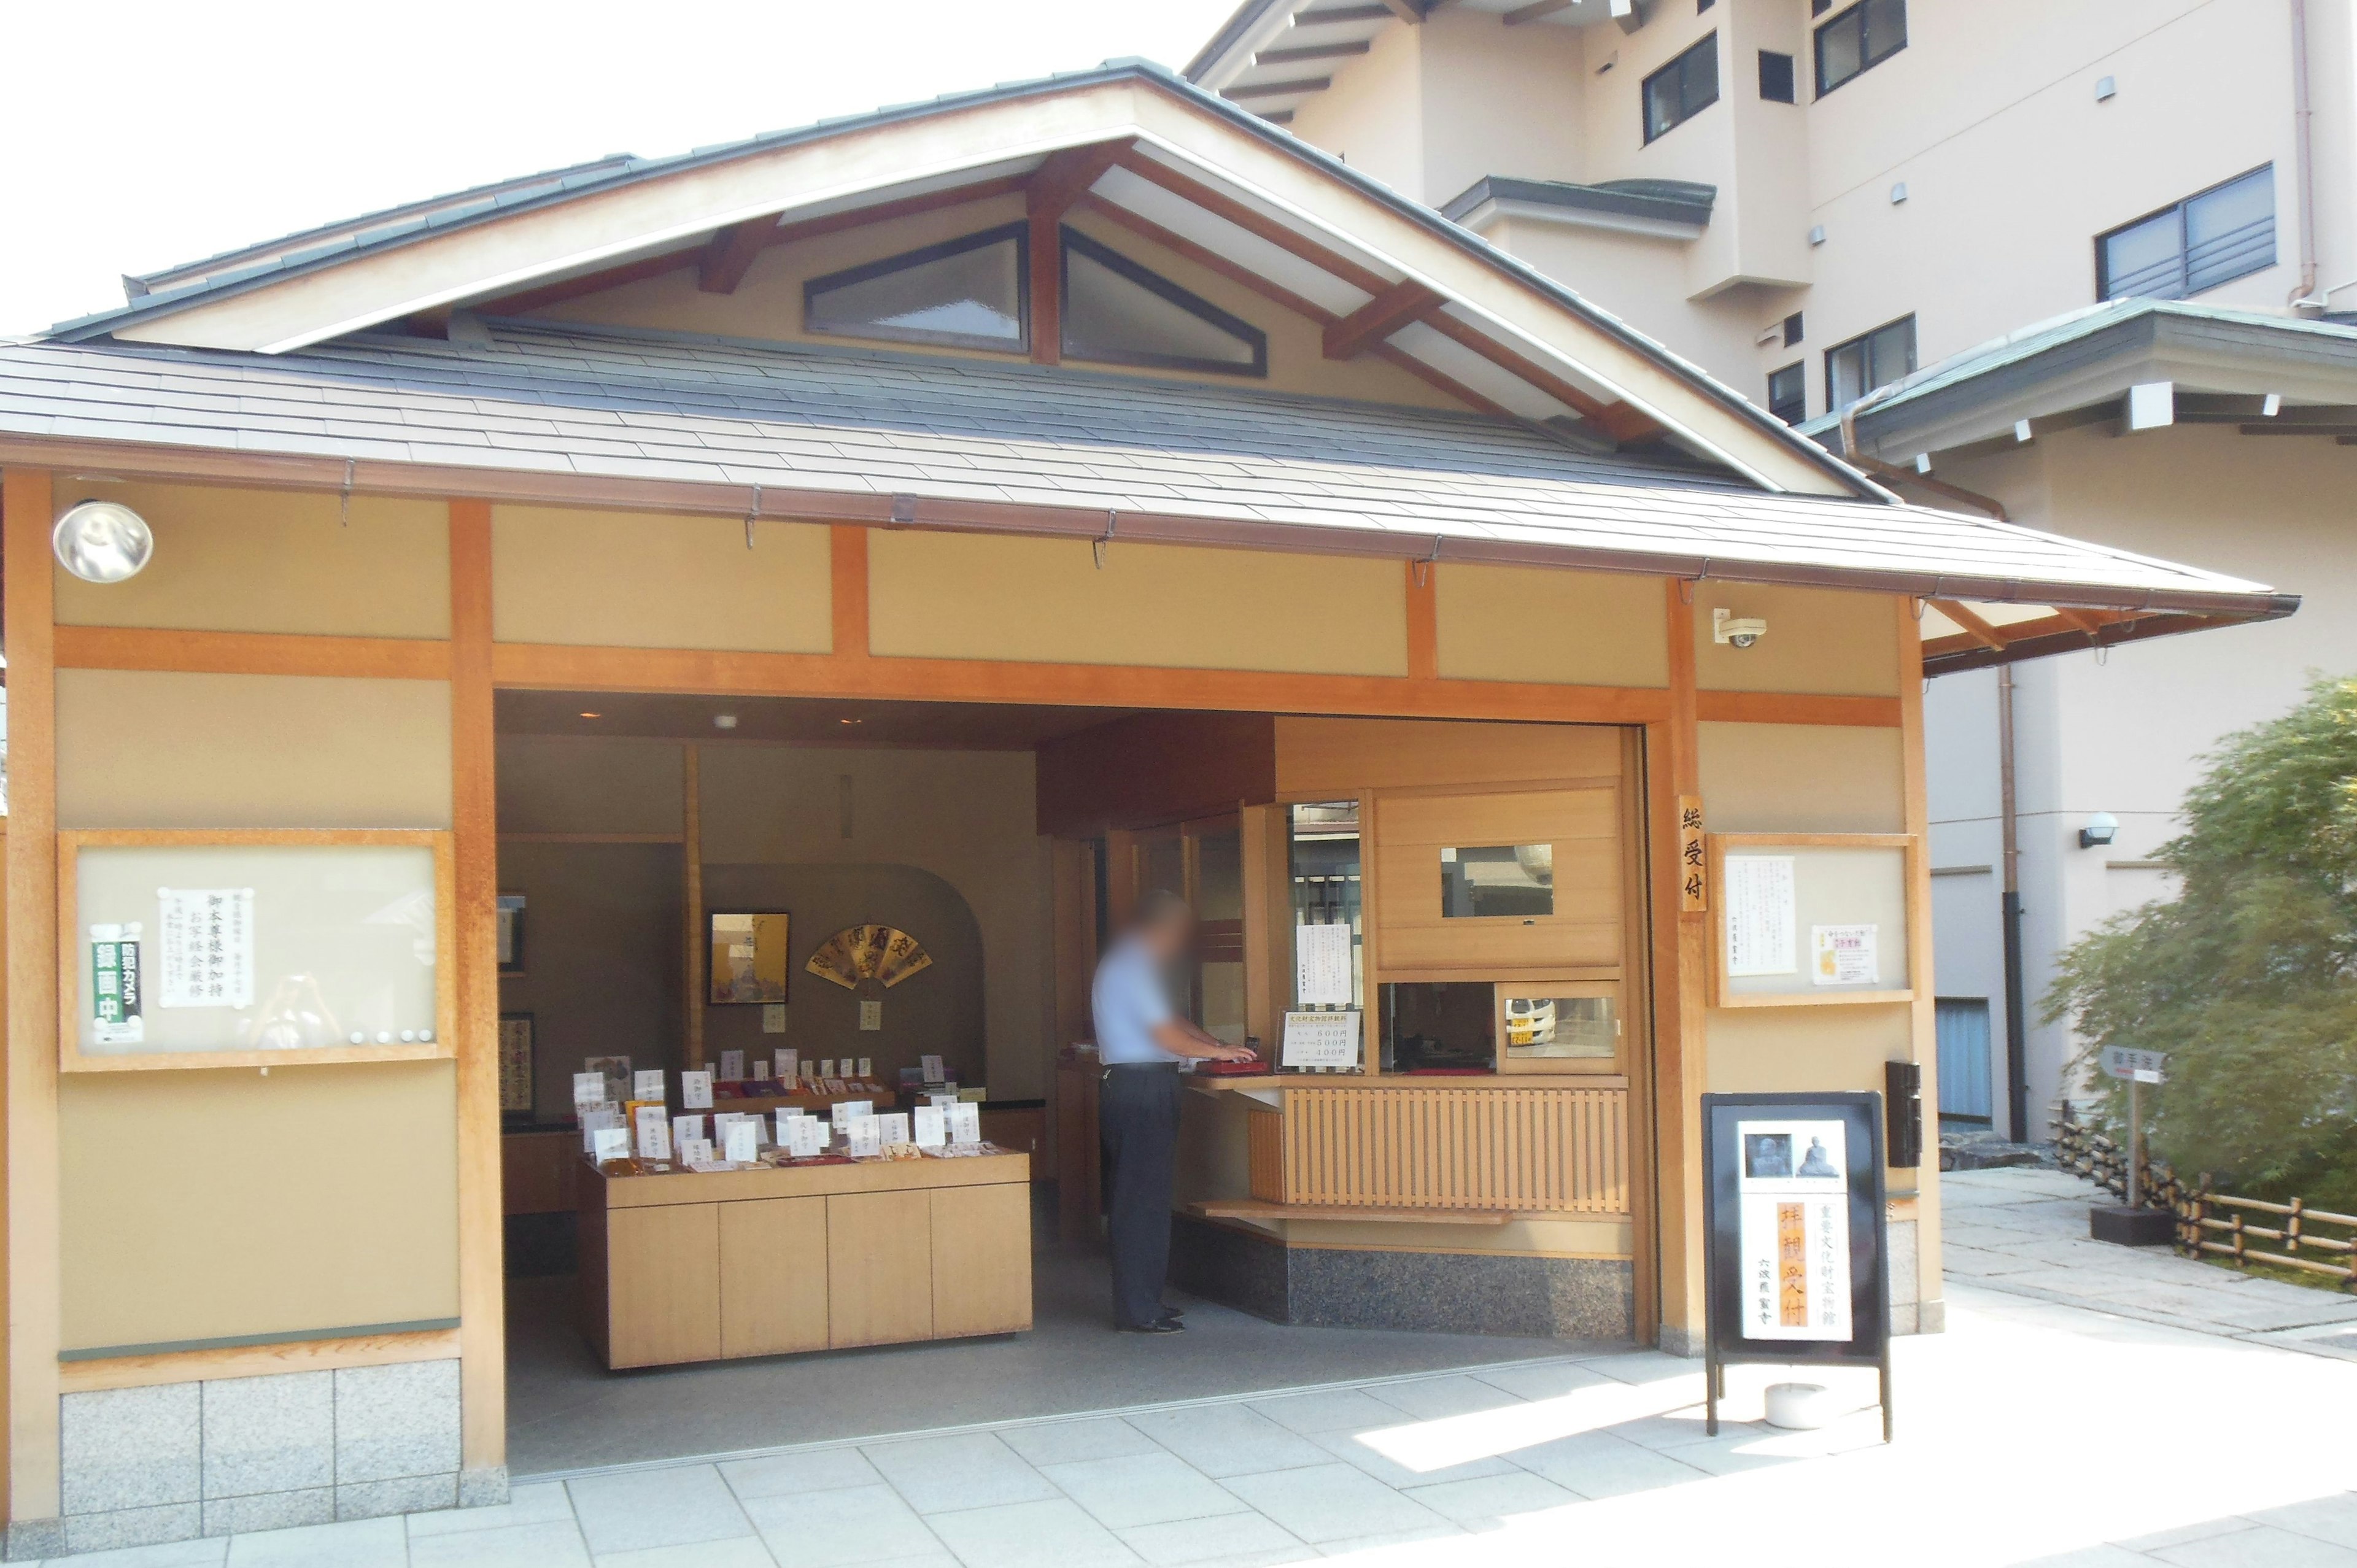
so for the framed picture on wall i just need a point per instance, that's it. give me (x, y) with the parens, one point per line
(515, 1067)
(511, 907)
(748, 958)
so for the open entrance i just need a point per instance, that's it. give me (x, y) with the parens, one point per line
(912, 898)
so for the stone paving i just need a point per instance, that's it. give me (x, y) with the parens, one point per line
(2085, 1410)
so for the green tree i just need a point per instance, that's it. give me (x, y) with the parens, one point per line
(2248, 979)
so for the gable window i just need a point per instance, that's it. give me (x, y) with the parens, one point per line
(1788, 393)
(1859, 39)
(1775, 77)
(1118, 312)
(2223, 233)
(1872, 359)
(1681, 88)
(964, 294)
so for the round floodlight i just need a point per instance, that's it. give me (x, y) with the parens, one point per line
(103, 542)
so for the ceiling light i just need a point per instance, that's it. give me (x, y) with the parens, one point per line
(103, 542)
(724, 721)
(587, 714)
(847, 720)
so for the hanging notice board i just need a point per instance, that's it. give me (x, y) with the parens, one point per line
(1804, 920)
(1796, 1237)
(253, 948)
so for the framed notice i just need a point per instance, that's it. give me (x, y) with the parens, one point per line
(253, 948)
(515, 1067)
(1800, 919)
(1797, 1245)
(1327, 1042)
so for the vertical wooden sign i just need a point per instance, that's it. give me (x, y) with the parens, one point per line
(1693, 880)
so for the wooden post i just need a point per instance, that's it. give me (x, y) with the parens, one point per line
(474, 808)
(1922, 1014)
(1681, 970)
(26, 509)
(691, 823)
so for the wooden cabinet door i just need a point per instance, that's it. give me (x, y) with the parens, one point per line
(773, 1268)
(982, 1259)
(880, 1267)
(663, 1276)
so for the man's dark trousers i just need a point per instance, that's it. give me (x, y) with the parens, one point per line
(1137, 1118)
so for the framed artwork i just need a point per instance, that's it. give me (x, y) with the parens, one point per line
(515, 1067)
(511, 907)
(748, 958)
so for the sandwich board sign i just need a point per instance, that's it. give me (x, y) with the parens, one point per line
(1797, 1236)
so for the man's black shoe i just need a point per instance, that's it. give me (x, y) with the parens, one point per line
(1159, 1326)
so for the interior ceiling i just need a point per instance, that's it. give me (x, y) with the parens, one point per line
(793, 721)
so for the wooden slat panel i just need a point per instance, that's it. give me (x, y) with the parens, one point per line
(1265, 1155)
(1528, 1149)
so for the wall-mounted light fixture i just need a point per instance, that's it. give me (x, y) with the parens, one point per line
(2100, 829)
(724, 721)
(1736, 632)
(103, 542)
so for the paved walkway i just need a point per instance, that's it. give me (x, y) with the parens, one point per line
(2054, 1423)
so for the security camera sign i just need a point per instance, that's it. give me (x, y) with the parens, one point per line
(2133, 1066)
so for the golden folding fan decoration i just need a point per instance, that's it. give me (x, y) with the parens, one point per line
(869, 952)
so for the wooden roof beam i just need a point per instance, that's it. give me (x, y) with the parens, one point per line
(1365, 279)
(1301, 52)
(757, 234)
(731, 253)
(525, 301)
(1408, 11)
(1381, 316)
(1064, 177)
(1617, 419)
(1238, 93)
(1978, 629)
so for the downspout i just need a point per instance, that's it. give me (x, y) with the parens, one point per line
(2303, 120)
(2016, 1035)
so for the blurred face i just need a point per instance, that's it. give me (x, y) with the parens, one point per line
(1168, 936)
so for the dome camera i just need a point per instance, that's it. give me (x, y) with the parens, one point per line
(1741, 631)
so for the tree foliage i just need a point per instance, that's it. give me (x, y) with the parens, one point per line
(2248, 979)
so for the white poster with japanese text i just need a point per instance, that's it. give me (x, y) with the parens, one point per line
(1321, 963)
(204, 957)
(1761, 915)
(1794, 1228)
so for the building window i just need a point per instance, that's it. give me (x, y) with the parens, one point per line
(1775, 77)
(1118, 312)
(1788, 393)
(1962, 1028)
(1791, 329)
(1874, 360)
(1681, 88)
(2225, 232)
(965, 294)
(1859, 39)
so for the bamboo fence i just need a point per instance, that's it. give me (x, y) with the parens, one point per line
(2245, 1230)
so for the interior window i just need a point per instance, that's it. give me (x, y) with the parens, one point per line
(967, 294)
(1118, 312)
(1510, 879)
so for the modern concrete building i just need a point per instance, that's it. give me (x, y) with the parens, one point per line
(1810, 199)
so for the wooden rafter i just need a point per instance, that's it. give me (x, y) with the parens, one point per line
(1617, 419)
(1252, 222)
(1978, 629)
(1300, 52)
(1064, 177)
(1441, 381)
(1249, 89)
(1381, 316)
(1059, 182)
(1204, 256)
(730, 255)
(772, 232)
(1408, 11)
(1537, 9)
(524, 301)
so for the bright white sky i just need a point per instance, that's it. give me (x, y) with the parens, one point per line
(136, 136)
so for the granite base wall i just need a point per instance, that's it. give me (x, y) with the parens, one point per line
(181, 1461)
(1449, 1292)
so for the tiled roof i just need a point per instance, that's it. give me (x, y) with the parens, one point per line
(1221, 463)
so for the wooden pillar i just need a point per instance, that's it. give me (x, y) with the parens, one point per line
(26, 511)
(474, 812)
(1681, 952)
(1046, 284)
(1922, 1030)
(847, 584)
(690, 845)
(1423, 621)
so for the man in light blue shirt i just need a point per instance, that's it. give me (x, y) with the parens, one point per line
(1142, 1040)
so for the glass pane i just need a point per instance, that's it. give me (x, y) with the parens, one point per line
(1701, 72)
(1885, 30)
(1788, 395)
(1512, 879)
(1162, 865)
(2230, 231)
(1110, 316)
(1220, 934)
(970, 297)
(1892, 351)
(1561, 1027)
(1838, 52)
(1661, 103)
(1324, 869)
(1845, 375)
(2145, 260)
(1440, 1026)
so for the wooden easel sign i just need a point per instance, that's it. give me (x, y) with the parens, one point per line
(1794, 1272)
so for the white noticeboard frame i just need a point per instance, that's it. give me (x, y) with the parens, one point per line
(341, 931)
(1811, 919)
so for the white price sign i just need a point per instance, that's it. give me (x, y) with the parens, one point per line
(2134, 1066)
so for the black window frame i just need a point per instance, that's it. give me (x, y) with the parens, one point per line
(1799, 370)
(1706, 45)
(1153, 283)
(1832, 406)
(1796, 328)
(1021, 233)
(2182, 208)
(1865, 62)
(1788, 68)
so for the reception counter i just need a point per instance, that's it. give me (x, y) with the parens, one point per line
(680, 1266)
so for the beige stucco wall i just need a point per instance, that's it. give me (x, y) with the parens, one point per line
(1822, 641)
(951, 595)
(1526, 623)
(286, 561)
(1803, 778)
(639, 580)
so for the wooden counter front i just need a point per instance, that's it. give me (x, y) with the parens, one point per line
(687, 1267)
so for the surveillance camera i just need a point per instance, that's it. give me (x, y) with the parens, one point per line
(1742, 632)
